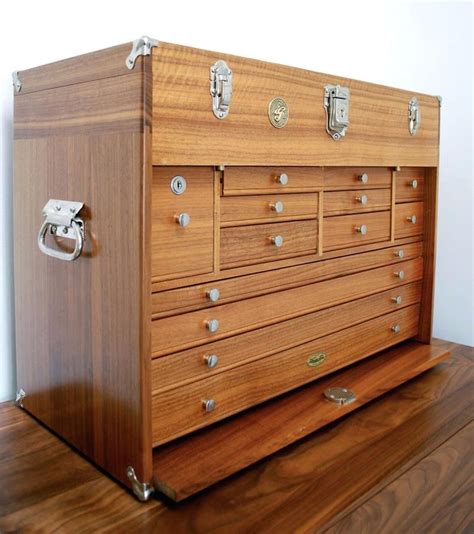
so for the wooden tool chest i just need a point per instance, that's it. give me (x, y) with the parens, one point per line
(215, 256)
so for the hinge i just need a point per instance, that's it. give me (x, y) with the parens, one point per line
(336, 104)
(20, 395)
(220, 88)
(142, 490)
(140, 47)
(16, 81)
(414, 116)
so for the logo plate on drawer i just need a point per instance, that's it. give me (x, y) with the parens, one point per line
(316, 359)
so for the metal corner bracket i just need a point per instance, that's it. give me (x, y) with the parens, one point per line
(16, 81)
(140, 47)
(20, 395)
(440, 100)
(142, 490)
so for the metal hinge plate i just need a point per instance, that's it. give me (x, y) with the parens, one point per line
(220, 88)
(60, 214)
(16, 81)
(414, 116)
(140, 47)
(336, 104)
(142, 490)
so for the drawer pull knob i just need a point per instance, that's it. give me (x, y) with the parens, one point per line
(341, 396)
(363, 199)
(413, 184)
(277, 206)
(183, 219)
(364, 178)
(212, 325)
(209, 405)
(213, 294)
(277, 240)
(399, 254)
(361, 229)
(412, 219)
(282, 179)
(397, 299)
(400, 274)
(211, 360)
(396, 328)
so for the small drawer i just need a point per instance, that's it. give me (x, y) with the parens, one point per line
(267, 207)
(182, 222)
(353, 230)
(409, 185)
(340, 178)
(191, 406)
(257, 180)
(245, 245)
(408, 219)
(357, 201)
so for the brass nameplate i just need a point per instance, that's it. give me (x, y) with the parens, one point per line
(316, 359)
(278, 112)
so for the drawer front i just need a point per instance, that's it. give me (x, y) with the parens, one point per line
(357, 201)
(408, 219)
(409, 185)
(180, 410)
(257, 180)
(254, 207)
(245, 245)
(352, 230)
(213, 358)
(340, 178)
(196, 297)
(180, 249)
(190, 329)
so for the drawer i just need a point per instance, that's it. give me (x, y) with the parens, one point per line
(352, 230)
(242, 287)
(340, 178)
(409, 185)
(255, 180)
(196, 328)
(177, 248)
(254, 207)
(201, 362)
(180, 410)
(245, 245)
(357, 201)
(408, 219)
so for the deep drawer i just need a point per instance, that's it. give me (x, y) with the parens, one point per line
(245, 245)
(257, 180)
(352, 230)
(408, 219)
(180, 410)
(190, 329)
(212, 358)
(410, 185)
(198, 296)
(340, 178)
(357, 201)
(254, 207)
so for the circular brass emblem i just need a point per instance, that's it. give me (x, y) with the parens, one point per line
(278, 112)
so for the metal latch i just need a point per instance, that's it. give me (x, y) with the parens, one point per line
(220, 88)
(336, 104)
(61, 220)
(414, 116)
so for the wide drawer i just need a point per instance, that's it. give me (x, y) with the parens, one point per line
(254, 207)
(252, 285)
(352, 230)
(410, 184)
(212, 358)
(257, 180)
(336, 178)
(408, 219)
(245, 245)
(359, 200)
(195, 328)
(181, 410)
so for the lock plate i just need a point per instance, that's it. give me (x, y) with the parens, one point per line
(414, 116)
(220, 88)
(336, 104)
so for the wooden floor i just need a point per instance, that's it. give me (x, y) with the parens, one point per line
(402, 464)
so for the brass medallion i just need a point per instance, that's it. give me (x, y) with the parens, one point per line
(278, 112)
(316, 359)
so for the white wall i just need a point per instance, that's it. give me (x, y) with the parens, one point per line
(423, 46)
